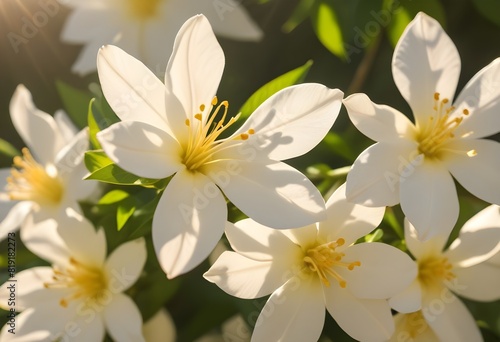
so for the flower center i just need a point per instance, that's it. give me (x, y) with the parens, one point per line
(30, 181)
(434, 270)
(88, 283)
(413, 325)
(202, 143)
(143, 9)
(323, 259)
(439, 129)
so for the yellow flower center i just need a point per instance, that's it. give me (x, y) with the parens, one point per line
(413, 325)
(87, 283)
(202, 144)
(30, 181)
(143, 9)
(433, 270)
(440, 128)
(323, 259)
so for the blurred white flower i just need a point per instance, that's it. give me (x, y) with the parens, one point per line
(234, 329)
(413, 327)
(80, 296)
(147, 28)
(172, 129)
(159, 328)
(463, 269)
(308, 268)
(47, 178)
(413, 164)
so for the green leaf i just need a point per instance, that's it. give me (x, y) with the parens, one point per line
(300, 13)
(75, 102)
(405, 10)
(8, 150)
(105, 170)
(490, 9)
(327, 28)
(93, 127)
(96, 160)
(290, 78)
(102, 112)
(113, 174)
(339, 146)
(124, 211)
(113, 197)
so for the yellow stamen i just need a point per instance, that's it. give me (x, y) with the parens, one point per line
(433, 270)
(143, 9)
(433, 135)
(323, 259)
(30, 181)
(86, 282)
(202, 141)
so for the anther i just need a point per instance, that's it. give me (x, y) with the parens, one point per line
(251, 131)
(202, 107)
(436, 96)
(214, 101)
(244, 136)
(465, 111)
(187, 122)
(198, 116)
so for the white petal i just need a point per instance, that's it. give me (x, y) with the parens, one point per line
(5, 208)
(32, 293)
(347, 220)
(384, 271)
(123, 319)
(429, 200)
(159, 328)
(485, 219)
(33, 324)
(362, 319)
(141, 149)
(65, 125)
(294, 312)
(375, 175)
(408, 300)
(420, 249)
(188, 222)
(425, 61)
(15, 218)
(480, 282)
(258, 242)
(38, 129)
(472, 248)
(450, 319)
(246, 278)
(88, 329)
(82, 240)
(294, 120)
(481, 96)
(131, 89)
(478, 173)
(73, 152)
(124, 265)
(256, 187)
(42, 238)
(377, 122)
(194, 70)
(229, 19)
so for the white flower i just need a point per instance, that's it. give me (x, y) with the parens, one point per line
(413, 164)
(47, 178)
(167, 129)
(412, 327)
(147, 28)
(306, 269)
(81, 295)
(462, 269)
